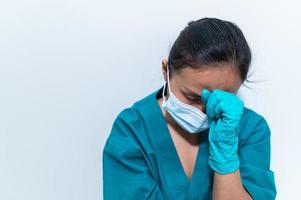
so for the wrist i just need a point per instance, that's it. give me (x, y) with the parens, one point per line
(224, 167)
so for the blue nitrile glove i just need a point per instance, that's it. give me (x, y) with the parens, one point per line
(224, 111)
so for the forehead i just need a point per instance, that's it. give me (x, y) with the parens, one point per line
(222, 76)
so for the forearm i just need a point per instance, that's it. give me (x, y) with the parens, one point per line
(229, 186)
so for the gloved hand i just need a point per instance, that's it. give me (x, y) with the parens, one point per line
(224, 111)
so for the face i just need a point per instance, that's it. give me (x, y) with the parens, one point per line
(187, 83)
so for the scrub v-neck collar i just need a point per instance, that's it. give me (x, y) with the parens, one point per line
(173, 171)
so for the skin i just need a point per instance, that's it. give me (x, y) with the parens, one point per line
(186, 84)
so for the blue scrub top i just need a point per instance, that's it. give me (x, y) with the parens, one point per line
(140, 160)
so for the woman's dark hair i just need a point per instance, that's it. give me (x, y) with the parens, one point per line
(210, 41)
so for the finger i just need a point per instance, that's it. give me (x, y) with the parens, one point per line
(205, 94)
(212, 101)
(219, 108)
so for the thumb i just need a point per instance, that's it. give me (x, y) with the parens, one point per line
(205, 95)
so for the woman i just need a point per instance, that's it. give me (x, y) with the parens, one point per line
(193, 138)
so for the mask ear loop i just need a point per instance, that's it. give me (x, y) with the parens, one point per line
(168, 79)
(164, 91)
(167, 82)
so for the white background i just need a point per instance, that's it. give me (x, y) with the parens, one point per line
(67, 68)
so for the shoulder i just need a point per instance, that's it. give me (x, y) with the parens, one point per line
(129, 122)
(121, 139)
(133, 114)
(252, 118)
(124, 127)
(253, 127)
(139, 110)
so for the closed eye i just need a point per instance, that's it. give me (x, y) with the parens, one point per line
(194, 99)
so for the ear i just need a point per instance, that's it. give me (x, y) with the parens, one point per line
(164, 68)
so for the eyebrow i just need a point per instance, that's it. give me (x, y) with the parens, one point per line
(192, 93)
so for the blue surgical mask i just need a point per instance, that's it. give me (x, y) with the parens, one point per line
(188, 117)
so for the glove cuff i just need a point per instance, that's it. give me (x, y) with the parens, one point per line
(224, 168)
